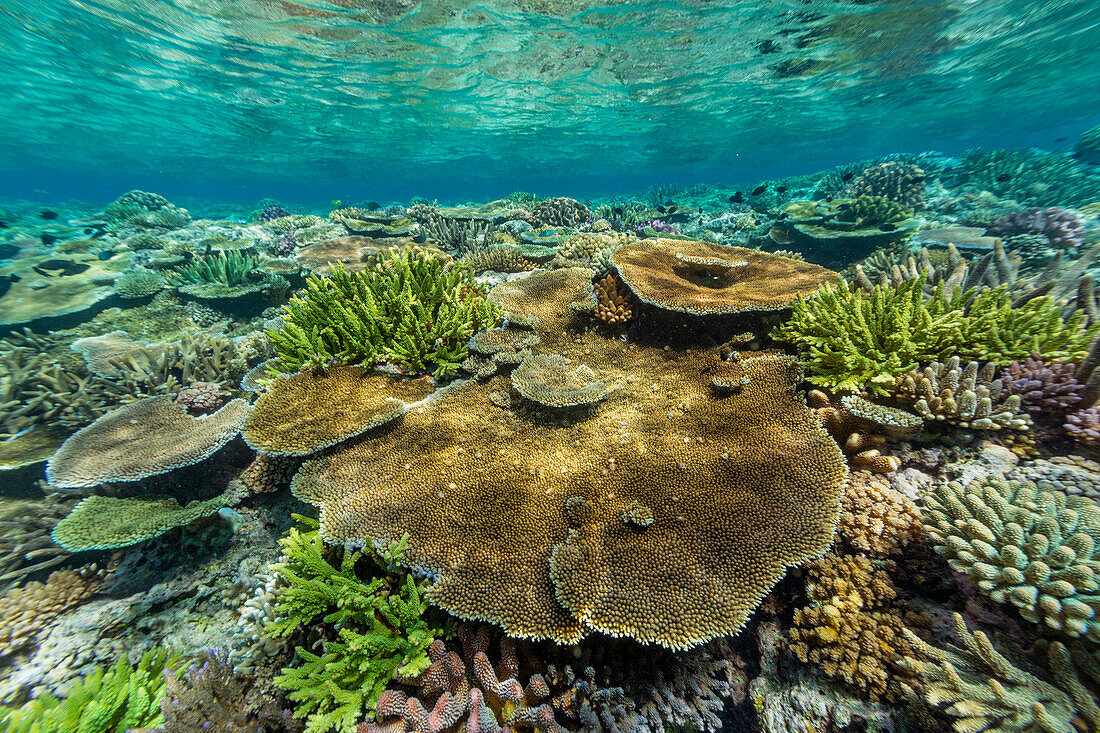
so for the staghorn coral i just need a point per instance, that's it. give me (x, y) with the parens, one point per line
(854, 626)
(1046, 389)
(984, 691)
(899, 182)
(209, 696)
(861, 428)
(119, 699)
(1033, 547)
(871, 210)
(228, 269)
(498, 258)
(705, 465)
(1061, 228)
(109, 522)
(25, 543)
(561, 212)
(967, 396)
(319, 407)
(268, 474)
(144, 438)
(382, 629)
(28, 610)
(139, 283)
(876, 519)
(415, 308)
(613, 305)
(1084, 426)
(700, 278)
(548, 380)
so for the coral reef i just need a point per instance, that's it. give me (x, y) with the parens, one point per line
(25, 543)
(1084, 426)
(271, 213)
(414, 308)
(705, 483)
(319, 407)
(201, 398)
(1071, 474)
(139, 283)
(899, 182)
(28, 610)
(1061, 228)
(967, 396)
(861, 427)
(1032, 547)
(498, 258)
(875, 519)
(1049, 390)
(268, 474)
(1087, 147)
(984, 691)
(703, 279)
(854, 626)
(871, 210)
(613, 304)
(549, 380)
(561, 212)
(1030, 177)
(144, 438)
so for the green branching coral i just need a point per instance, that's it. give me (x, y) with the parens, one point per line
(1033, 547)
(224, 268)
(382, 629)
(871, 210)
(853, 339)
(415, 308)
(119, 699)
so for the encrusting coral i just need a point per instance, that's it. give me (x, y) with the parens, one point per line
(1033, 547)
(319, 407)
(751, 472)
(967, 396)
(383, 631)
(984, 691)
(874, 518)
(414, 308)
(854, 627)
(142, 439)
(701, 278)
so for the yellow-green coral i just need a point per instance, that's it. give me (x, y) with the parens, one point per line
(1033, 547)
(415, 308)
(119, 699)
(870, 210)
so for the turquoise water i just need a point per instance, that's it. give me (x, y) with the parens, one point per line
(387, 99)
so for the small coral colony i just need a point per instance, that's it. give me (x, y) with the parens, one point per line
(816, 455)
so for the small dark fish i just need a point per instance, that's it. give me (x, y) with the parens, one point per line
(736, 198)
(1003, 177)
(373, 206)
(617, 211)
(760, 189)
(847, 176)
(106, 254)
(842, 207)
(887, 227)
(48, 239)
(700, 210)
(47, 214)
(12, 278)
(67, 267)
(1060, 139)
(4, 225)
(661, 209)
(8, 250)
(781, 189)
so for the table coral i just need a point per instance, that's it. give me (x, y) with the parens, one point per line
(751, 472)
(984, 691)
(876, 519)
(1033, 547)
(700, 278)
(549, 380)
(854, 626)
(319, 407)
(144, 438)
(967, 396)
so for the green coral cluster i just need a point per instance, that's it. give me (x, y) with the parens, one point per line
(1030, 177)
(117, 700)
(1035, 548)
(136, 283)
(415, 308)
(853, 339)
(871, 210)
(382, 629)
(224, 268)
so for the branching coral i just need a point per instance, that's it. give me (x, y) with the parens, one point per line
(613, 304)
(900, 182)
(25, 543)
(1084, 426)
(876, 519)
(1061, 228)
(871, 210)
(382, 630)
(267, 474)
(1030, 177)
(1048, 390)
(122, 698)
(137, 283)
(1035, 548)
(861, 427)
(414, 308)
(561, 212)
(854, 627)
(984, 691)
(967, 396)
(498, 258)
(26, 611)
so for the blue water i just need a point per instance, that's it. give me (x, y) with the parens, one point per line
(321, 99)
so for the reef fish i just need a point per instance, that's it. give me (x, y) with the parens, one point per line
(760, 189)
(64, 267)
(737, 198)
(847, 176)
(8, 250)
(6, 281)
(47, 214)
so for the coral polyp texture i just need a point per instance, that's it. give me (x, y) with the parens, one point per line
(1035, 548)
(613, 303)
(521, 529)
(701, 278)
(967, 396)
(1048, 390)
(983, 691)
(319, 407)
(553, 381)
(875, 519)
(498, 258)
(1084, 426)
(144, 438)
(862, 427)
(561, 212)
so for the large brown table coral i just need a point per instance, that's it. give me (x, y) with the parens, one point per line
(664, 513)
